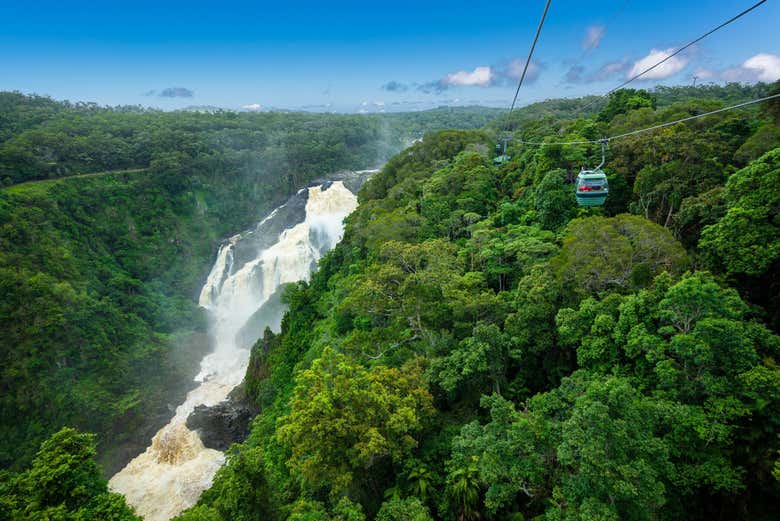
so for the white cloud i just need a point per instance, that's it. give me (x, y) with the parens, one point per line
(484, 76)
(767, 66)
(669, 68)
(253, 107)
(704, 74)
(761, 67)
(480, 76)
(593, 36)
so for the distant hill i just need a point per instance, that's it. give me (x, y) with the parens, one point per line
(44, 139)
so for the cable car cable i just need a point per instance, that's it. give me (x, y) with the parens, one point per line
(675, 53)
(503, 158)
(530, 55)
(648, 129)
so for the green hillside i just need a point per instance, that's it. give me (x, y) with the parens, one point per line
(479, 347)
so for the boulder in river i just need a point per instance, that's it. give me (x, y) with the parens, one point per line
(225, 423)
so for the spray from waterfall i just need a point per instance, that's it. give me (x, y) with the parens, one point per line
(249, 269)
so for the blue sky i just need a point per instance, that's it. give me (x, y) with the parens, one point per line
(362, 56)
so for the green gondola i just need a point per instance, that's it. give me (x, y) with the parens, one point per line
(592, 187)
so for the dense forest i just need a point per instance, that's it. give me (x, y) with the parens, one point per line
(477, 347)
(107, 230)
(483, 348)
(44, 139)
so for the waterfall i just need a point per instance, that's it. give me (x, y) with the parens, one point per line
(176, 467)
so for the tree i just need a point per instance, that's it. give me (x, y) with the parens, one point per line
(747, 239)
(539, 360)
(762, 141)
(419, 480)
(64, 482)
(64, 471)
(612, 458)
(588, 330)
(689, 345)
(199, 513)
(346, 419)
(463, 489)
(772, 107)
(617, 253)
(554, 200)
(243, 493)
(477, 359)
(399, 300)
(697, 297)
(409, 509)
(591, 443)
(625, 100)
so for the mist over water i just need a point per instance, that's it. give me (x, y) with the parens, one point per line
(250, 268)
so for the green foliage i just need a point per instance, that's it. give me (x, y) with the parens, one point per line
(746, 240)
(463, 488)
(481, 357)
(64, 470)
(97, 274)
(345, 419)
(409, 509)
(241, 491)
(403, 171)
(695, 354)
(763, 140)
(617, 253)
(63, 483)
(308, 510)
(508, 253)
(199, 513)
(43, 139)
(554, 200)
(626, 100)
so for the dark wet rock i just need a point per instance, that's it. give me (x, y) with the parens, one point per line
(267, 232)
(354, 183)
(352, 179)
(225, 423)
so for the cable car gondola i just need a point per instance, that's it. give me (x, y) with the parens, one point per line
(501, 157)
(592, 187)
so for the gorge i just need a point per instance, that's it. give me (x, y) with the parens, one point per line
(241, 296)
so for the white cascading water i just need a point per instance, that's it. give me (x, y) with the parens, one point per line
(176, 468)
